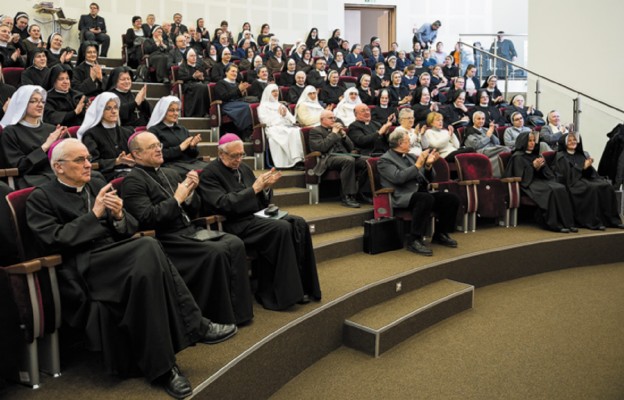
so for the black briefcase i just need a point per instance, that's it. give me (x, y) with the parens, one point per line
(382, 235)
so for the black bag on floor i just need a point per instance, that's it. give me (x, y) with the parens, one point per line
(381, 235)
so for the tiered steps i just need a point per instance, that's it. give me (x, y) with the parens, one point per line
(377, 329)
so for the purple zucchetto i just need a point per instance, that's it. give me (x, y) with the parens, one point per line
(227, 138)
(52, 146)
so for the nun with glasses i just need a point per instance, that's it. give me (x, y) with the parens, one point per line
(64, 105)
(134, 109)
(105, 138)
(281, 130)
(179, 145)
(26, 139)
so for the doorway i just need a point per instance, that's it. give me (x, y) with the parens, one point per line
(363, 22)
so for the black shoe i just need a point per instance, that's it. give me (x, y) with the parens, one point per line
(564, 230)
(218, 333)
(176, 384)
(573, 229)
(349, 201)
(444, 240)
(305, 299)
(417, 246)
(619, 226)
(363, 198)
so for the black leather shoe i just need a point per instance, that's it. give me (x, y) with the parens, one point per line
(362, 198)
(218, 333)
(564, 230)
(305, 299)
(573, 229)
(176, 384)
(349, 201)
(417, 246)
(444, 240)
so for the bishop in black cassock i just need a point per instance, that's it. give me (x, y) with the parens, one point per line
(214, 270)
(128, 296)
(286, 265)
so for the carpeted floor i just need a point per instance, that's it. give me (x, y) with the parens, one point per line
(558, 335)
(83, 375)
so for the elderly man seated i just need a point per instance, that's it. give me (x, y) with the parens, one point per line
(409, 176)
(286, 267)
(214, 268)
(128, 296)
(337, 153)
(369, 137)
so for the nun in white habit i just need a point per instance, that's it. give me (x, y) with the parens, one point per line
(308, 110)
(345, 109)
(284, 137)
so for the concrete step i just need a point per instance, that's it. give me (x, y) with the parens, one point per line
(154, 90)
(110, 62)
(195, 123)
(331, 217)
(205, 134)
(377, 329)
(290, 196)
(341, 243)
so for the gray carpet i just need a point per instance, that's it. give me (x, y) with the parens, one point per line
(558, 335)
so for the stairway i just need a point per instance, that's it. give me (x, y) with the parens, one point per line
(377, 329)
(336, 231)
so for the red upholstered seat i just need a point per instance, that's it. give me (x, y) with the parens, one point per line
(497, 198)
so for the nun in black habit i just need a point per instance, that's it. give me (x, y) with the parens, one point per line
(593, 197)
(231, 93)
(134, 110)
(194, 76)
(37, 72)
(179, 146)
(215, 271)
(105, 138)
(88, 77)
(540, 184)
(64, 105)
(26, 138)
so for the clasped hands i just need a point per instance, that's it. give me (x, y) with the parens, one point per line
(427, 158)
(266, 180)
(107, 199)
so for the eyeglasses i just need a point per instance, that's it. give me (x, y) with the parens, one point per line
(79, 160)
(111, 108)
(154, 146)
(235, 156)
(40, 101)
(518, 119)
(174, 110)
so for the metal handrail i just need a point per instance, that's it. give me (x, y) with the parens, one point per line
(541, 76)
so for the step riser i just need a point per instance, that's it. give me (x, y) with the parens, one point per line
(154, 90)
(195, 123)
(339, 222)
(377, 343)
(290, 199)
(338, 249)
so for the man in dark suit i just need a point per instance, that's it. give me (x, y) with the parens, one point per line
(369, 137)
(178, 53)
(286, 266)
(92, 27)
(409, 176)
(178, 28)
(317, 77)
(335, 146)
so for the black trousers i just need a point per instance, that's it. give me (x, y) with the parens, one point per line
(352, 173)
(445, 205)
(102, 38)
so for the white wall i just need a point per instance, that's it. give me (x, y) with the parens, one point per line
(292, 19)
(580, 46)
